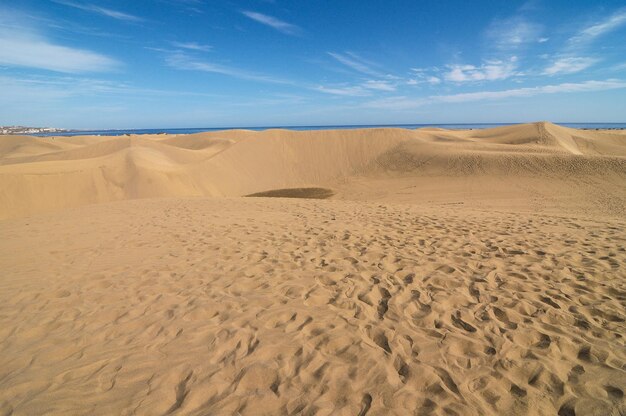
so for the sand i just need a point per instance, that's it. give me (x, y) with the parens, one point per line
(473, 272)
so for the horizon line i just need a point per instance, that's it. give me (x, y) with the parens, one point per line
(339, 125)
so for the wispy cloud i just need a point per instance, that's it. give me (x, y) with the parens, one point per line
(489, 71)
(432, 80)
(365, 88)
(406, 103)
(21, 21)
(355, 62)
(513, 33)
(532, 91)
(193, 46)
(379, 85)
(619, 67)
(22, 47)
(350, 91)
(88, 7)
(599, 28)
(273, 22)
(569, 65)
(191, 6)
(183, 61)
(422, 76)
(57, 87)
(586, 86)
(41, 89)
(569, 60)
(395, 103)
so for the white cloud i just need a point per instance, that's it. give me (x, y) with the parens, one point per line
(531, 91)
(379, 85)
(193, 46)
(396, 103)
(273, 22)
(363, 89)
(405, 103)
(191, 6)
(88, 7)
(39, 89)
(354, 91)
(33, 91)
(513, 33)
(356, 63)
(600, 28)
(569, 65)
(182, 61)
(28, 49)
(489, 71)
(433, 80)
(619, 67)
(420, 77)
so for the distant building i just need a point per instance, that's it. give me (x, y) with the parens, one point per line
(28, 130)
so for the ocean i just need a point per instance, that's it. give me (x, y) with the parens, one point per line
(304, 128)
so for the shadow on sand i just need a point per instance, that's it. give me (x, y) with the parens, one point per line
(309, 193)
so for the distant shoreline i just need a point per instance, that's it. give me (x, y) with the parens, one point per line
(16, 130)
(450, 126)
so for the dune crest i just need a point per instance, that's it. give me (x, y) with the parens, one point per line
(42, 174)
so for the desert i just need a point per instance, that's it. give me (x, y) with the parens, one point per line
(331, 272)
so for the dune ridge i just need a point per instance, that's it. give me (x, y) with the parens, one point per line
(36, 173)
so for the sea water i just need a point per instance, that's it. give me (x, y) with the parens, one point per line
(304, 128)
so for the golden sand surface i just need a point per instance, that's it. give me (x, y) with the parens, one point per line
(447, 272)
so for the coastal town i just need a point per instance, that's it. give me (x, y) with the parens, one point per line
(28, 130)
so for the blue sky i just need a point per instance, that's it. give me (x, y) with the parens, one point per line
(211, 63)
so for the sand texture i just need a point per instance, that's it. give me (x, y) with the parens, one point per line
(424, 272)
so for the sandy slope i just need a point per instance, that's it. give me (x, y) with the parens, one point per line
(451, 272)
(530, 162)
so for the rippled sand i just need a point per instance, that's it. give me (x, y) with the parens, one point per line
(409, 291)
(200, 306)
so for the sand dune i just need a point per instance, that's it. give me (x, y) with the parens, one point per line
(40, 174)
(477, 272)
